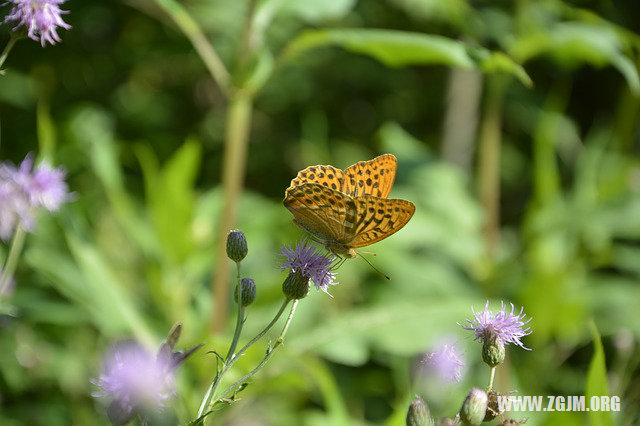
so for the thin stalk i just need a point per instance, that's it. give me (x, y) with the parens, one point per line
(262, 333)
(10, 265)
(236, 143)
(206, 401)
(233, 169)
(489, 160)
(492, 376)
(196, 36)
(239, 319)
(7, 49)
(269, 354)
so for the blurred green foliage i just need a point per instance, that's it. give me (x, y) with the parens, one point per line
(128, 107)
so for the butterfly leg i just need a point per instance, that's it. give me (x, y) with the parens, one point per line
(337, 264)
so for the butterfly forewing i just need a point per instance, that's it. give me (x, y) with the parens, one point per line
(374, 177)
(326, 213)
(327, 176)
(348, 209)
(378, 218)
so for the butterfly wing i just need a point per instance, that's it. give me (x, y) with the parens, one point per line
(374, 177)
(325, 213)
(378, 218)
(327, 176)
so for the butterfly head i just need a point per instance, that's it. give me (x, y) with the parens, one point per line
(341, 249)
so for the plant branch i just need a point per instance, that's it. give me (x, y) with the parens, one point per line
(196, 36)
(231, 359)
(10, 265)
(7, 49)
(269, 354)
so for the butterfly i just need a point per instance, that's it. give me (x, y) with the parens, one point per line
(348, 209)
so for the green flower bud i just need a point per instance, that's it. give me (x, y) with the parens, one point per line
(236, 245)
(295, 286)
(493, 352)
(245, 293)
(418, 413)
(474, 408)
(493, 410)
(448, 422)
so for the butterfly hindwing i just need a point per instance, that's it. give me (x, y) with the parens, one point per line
(374, 177)
(348, 209)
(378, 218)
(325, 213)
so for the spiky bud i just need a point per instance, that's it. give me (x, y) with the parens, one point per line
(474, 407)
(295, 286)
(418, 413)
(493, 352)
(245, 292)
(493, 409)
(236, 245)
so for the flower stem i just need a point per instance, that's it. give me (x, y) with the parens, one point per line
(12, 259)
(7, 49)
(232, 358)
(239, 320)
(492, 376)
(269, 354)
(238, 124)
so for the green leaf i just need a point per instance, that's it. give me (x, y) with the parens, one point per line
(597, 380)
(577, 43)
(392, 48)
(171, 198)
(401, 48)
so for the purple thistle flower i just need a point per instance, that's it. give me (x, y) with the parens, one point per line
(23, 191)
(40, 17)
(503, 327)
(307, 260)
(133, 379)
(445, 362)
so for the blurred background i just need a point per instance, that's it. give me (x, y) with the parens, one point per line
(516, 127)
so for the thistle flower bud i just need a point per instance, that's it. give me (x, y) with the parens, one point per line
(236, 245)
(493, 409)
(245, 292)
(296, 285)
(474, 408)
(447, 422)
(493, 352)
(418, 413)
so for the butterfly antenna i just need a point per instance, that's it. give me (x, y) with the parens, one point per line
(374, 268)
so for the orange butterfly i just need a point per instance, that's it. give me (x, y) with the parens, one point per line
(346, 210)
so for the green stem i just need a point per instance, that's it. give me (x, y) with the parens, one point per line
(233, 168)
(492, 376)
(196, 36)
(262, 333)
(269, 354)
(9, 267)
(206, 401)
(490, 142)
(7, 49)
(239, 319)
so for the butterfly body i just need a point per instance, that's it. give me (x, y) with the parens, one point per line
(345, 210)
